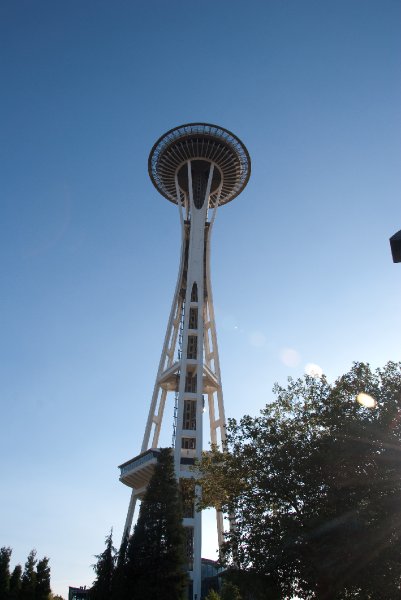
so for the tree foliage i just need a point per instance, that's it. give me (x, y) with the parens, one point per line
(155, 555)
(120, 583)
(5, 554)
(150, 565)
(28, 582)
(15, 583)
(213, 595)
(104, 569)
(42, 590)
(229, 591)
(32, 584)
(314, 485)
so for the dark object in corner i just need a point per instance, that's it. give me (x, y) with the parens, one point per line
(395, 243)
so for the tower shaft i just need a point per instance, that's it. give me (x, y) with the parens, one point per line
(189, 364)
(198, 167)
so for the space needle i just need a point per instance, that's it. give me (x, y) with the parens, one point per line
(198, 167)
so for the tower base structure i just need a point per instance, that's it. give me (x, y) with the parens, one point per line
(199, 167)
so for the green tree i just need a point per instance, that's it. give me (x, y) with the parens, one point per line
(229, 591)
(120, 583)
(104, 569)
(42, 591)
(15, 583)
(5, 555)
(28, 582)
(314, 485)
(156, 557)
(254, 586)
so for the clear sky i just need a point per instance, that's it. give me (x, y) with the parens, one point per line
(301, 264)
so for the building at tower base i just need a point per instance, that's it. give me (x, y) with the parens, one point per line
(80, 593)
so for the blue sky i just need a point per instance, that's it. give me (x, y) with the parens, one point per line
(301, 265)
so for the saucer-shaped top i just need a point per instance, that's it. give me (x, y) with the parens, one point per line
(200, 143)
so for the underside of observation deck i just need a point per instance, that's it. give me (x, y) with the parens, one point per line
(137, 472)
(200, 142)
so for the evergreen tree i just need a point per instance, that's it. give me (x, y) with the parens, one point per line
(120, 587)
(42, 591)
(156, 553)
(28, 583)
(5, 555)
(15, 583)
(213, 595)
(104, 569)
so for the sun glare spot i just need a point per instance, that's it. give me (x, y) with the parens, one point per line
(289, 357)
(313, 370)
(366, 400)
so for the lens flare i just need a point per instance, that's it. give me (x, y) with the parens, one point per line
(313, 370)
(366, 400)
(290, 357)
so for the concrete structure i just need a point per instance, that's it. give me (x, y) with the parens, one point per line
(198, 167)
